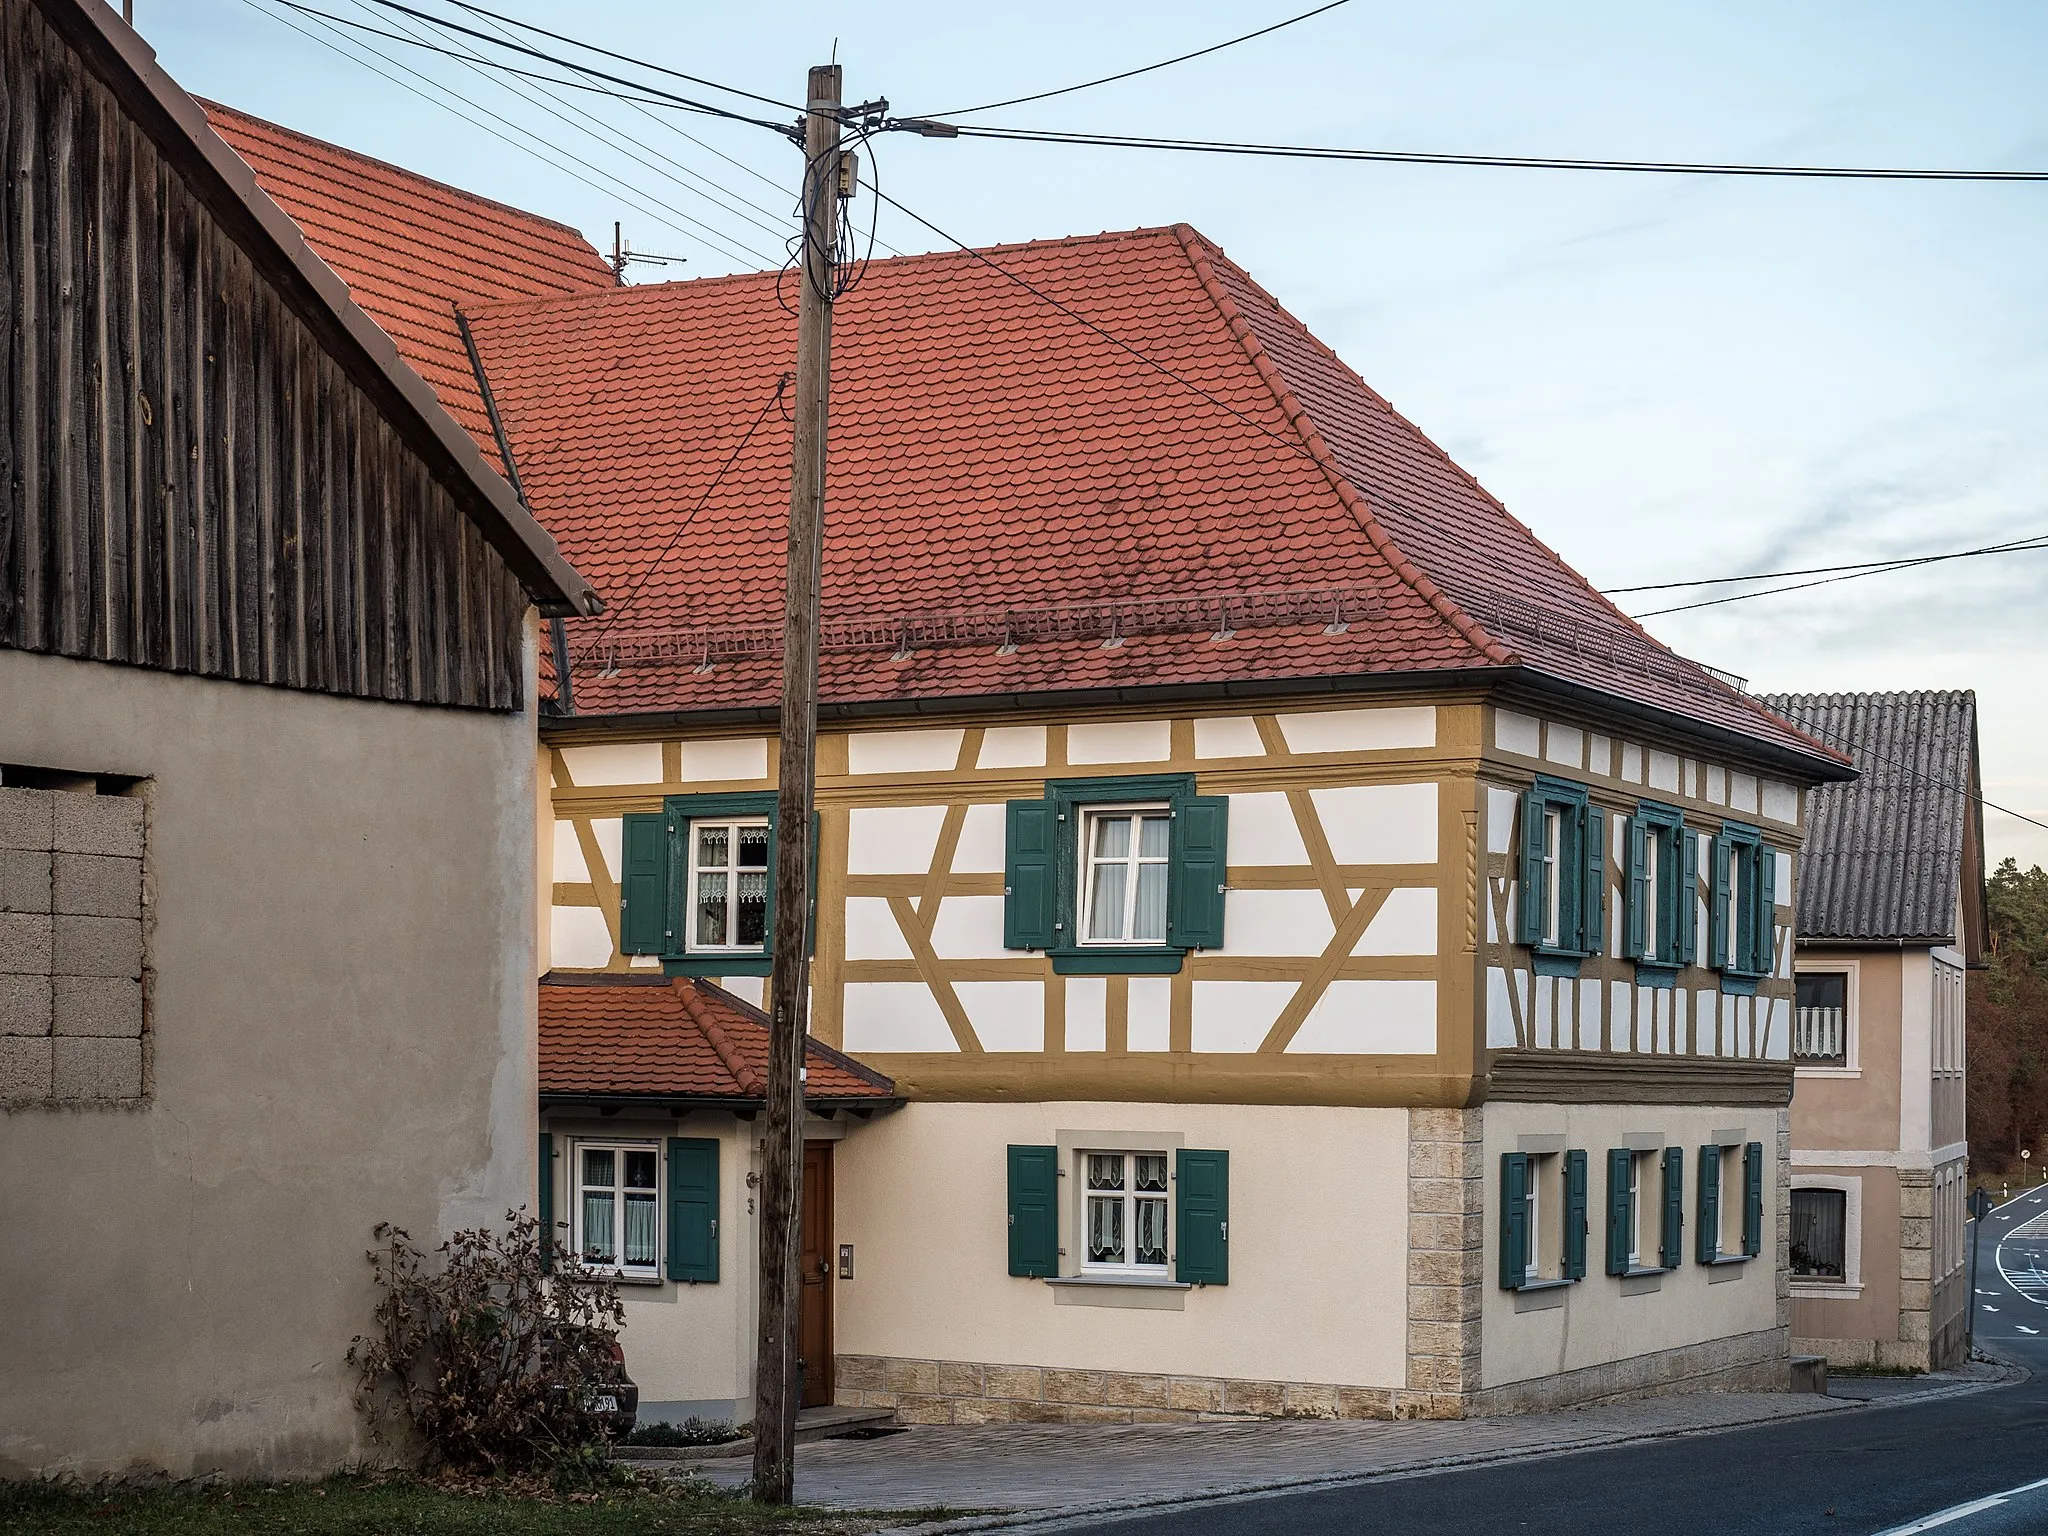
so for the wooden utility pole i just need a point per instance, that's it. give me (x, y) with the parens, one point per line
(782, 1161)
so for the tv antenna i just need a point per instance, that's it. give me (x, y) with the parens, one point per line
(623, 255)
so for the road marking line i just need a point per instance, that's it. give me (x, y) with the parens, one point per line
(1961, 1511)
(2023, 1328)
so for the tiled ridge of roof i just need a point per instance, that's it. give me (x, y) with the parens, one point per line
(649, 1037)
(1884, 855)
(1297, 415)
(1470, 525)
(987, 450)
(413, 250)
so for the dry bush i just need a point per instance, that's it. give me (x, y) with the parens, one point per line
(485, 1358)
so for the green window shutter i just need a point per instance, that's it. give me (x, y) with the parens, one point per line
(1514, 1220)
(692, 1208)
(1575, 1214)
(1723, 858)
(1200, 867)
(643, 884)
(1753, 1199)
(545, 1205)
(1672, 1249)
(1030, 856)
(1686, 915)
(1592, 883)
(1202, 1209)
(1765, 932)
(1034, 1211)
(1708, 1238)
(1618, 1209)
(1531, 915)
(1634, 941)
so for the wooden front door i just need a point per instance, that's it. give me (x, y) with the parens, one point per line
(814, 1263)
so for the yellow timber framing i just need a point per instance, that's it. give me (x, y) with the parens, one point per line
(1467, 881)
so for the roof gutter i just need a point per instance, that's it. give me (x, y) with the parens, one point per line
(681, 1101)
(220, 178)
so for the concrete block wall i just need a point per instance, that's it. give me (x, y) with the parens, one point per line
(72, 1015)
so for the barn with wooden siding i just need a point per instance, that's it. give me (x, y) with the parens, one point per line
(269, 624)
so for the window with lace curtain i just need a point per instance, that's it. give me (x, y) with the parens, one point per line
(618, 1208)
(1124, 1213)
(728, 900)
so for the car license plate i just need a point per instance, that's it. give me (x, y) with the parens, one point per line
(605, 1404)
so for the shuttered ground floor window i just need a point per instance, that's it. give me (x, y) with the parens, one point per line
(640, 1210)
(1145, 1217)
(1820, 1224)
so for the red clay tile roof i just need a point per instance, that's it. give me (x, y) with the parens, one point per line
(989, 451)
(681, 1039)
(411, 249)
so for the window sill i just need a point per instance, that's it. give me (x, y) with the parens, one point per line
(1115, 1291)
(1827, 1290)
(1641, 1282)
(1727, 1267)
(1817, 1070)
(1734, 984)
(1107, 960)
(619, 1279)
(1655, 973)
(1556, 1284)
(1541, 1295)
(1551, 963)
(718, 965)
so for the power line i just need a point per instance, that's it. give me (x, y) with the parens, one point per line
(1813, 570)
(651, 93)
(1940, 783)
(2018, 547)
(632, 194)
(611, 138)
(588, 48)
(934, 129)
(1068, 90)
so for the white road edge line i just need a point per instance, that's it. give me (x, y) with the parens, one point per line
(1961, 1511)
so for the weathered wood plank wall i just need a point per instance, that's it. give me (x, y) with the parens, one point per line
(188, 480)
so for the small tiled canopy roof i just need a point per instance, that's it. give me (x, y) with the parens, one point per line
(1888, 857)
(990, 452)
(646, 1037)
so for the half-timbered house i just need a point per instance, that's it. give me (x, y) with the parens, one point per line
(1328, 959)
(268, 644)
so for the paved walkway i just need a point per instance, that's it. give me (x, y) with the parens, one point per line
(1070, 1469)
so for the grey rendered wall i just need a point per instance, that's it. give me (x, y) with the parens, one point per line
(341, 1031)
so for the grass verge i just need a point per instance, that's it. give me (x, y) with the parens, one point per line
(395, 1506)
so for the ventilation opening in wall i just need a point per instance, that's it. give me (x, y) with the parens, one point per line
(28, 776)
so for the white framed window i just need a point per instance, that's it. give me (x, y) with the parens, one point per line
(1553, 873)
(1124, 1207)
(728, 894)
(1642, 1238)
(1948, 1019)
(1656, 944)
(1124, 863)
(1818, 1201)
(1824, 1018)
(616, 1202)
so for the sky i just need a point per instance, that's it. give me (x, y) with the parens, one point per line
(1666, 377)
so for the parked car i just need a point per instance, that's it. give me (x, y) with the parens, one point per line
(610, 1393)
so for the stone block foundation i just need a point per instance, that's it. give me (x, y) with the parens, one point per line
(960, 1392)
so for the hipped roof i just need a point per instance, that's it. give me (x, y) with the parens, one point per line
(645, 1037)
(992, 453)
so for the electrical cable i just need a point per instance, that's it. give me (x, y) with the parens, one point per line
(653, 94)
(546, 156)
(931, 128)
(1826, 581)
(1068, 90)
(1818, 570)
(1940, 783)
(619, 610)
(576, 42)
(591, 124)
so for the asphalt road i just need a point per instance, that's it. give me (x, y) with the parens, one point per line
(1889, 1470)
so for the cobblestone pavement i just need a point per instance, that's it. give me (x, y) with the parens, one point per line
(1063, 1468)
